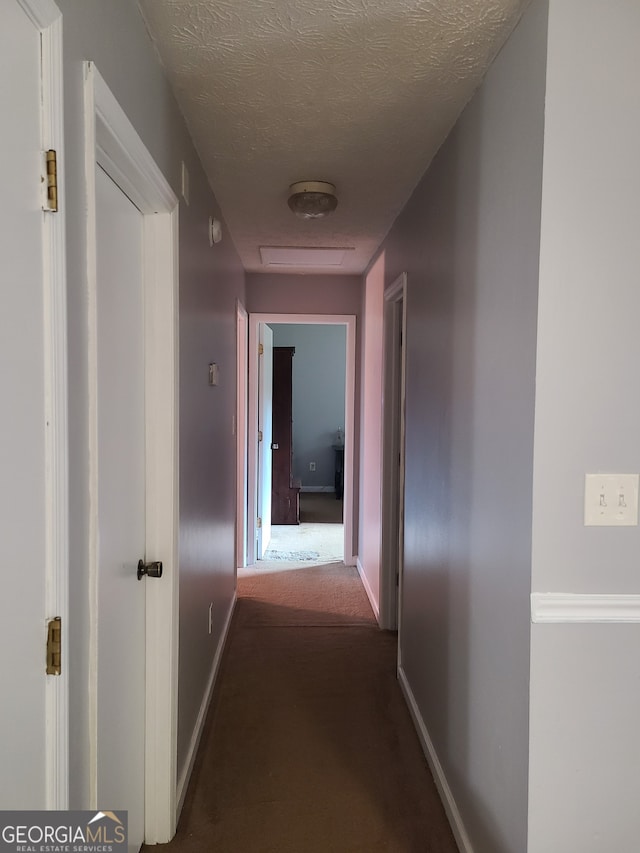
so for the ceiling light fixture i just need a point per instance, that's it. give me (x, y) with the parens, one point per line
(312, 199)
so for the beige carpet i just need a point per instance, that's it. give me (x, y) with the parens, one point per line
(308, 747)
(319, 538)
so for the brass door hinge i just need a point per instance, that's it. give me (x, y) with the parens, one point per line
(260, 349)
(54, 646)
(259, 523)
(259, 435)
(51, 159)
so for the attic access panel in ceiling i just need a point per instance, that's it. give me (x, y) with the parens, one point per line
(303, 256)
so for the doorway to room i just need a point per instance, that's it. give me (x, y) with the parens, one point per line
(301, 415)
(307, 470)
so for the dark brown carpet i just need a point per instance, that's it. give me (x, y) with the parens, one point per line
(308, 747)
(320, 508)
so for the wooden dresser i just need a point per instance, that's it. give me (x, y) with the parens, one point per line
(285, 494)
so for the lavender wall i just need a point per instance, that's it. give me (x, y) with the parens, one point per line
(469, 241)
(303, 294)
(211, 281)
(585, 690)
(114, 36)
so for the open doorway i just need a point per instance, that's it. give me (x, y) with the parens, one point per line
(307, 472)
(302, 478)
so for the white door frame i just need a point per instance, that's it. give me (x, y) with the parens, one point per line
(394, 355)
(113, 143)
(264, 450)
(242, 352)
(47, 18)
(348, 320)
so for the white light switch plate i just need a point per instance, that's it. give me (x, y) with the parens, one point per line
(611, 500)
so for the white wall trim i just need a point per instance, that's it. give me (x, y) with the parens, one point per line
(242, 355)
(43, 13)
(47, 18)
(124, 156)
(161, 521)
(348, 320)
(183, 782)
(113, 143)
(558, 607)
(92, 373)
(394, 361)
(365, 583)
(450, 806)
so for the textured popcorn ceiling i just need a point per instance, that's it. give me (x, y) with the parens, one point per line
(360, 93)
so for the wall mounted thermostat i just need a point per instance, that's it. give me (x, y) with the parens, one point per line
(214, 374)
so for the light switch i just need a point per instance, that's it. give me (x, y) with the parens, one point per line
(611, 500)
(214, 374)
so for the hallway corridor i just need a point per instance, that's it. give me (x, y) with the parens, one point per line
(309, 747)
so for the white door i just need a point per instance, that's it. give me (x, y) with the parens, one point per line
(265, 429)
(23, 544)
(242, 350)
(121, 506)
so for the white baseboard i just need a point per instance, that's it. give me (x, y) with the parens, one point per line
(365, 583)
(460, 833)
(323, 489)
(183, 781)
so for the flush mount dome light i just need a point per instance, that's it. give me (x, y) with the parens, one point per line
(312, 199)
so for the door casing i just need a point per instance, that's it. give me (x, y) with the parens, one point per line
(265, 436)
(47, 21)
(393, 462)
(348, 320)
(113, 143)
(242, 353)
